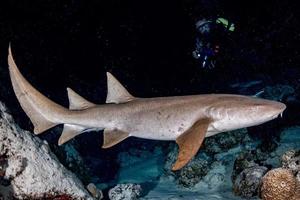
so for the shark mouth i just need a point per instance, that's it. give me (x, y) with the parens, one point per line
(278, 115)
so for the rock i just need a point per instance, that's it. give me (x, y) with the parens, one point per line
(211, 146)
(278, 92)
(216, 176)
(125, 192)
(218, 149)
(28, 168)
(289, 139)
(291, 160)
(72, 159)
(225, 141)
(232, 138)
(193, 172)
(244, 161)
(190, 174)
(279, 184)
(95, 192)
(248, 181)
(18, 163)
(3, 165)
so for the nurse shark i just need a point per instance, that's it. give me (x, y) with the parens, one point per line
(184, 119)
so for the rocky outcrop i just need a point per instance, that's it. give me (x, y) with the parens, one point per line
(125, 191)
(278, 92)
(262, 156)
(291, 160)
(248, 181)
(95, 192)
(28, 169)
(214, 150)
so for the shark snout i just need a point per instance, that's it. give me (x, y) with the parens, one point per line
(274, 109)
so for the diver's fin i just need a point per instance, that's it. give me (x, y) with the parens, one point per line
(69, 132)
(190, 142)
(77, 102)
(116, 92)
(113, 137)
(43, 112)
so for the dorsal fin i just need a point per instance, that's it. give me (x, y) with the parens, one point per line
(76, 102)
(116, 92)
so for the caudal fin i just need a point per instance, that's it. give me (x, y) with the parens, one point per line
(43, 112)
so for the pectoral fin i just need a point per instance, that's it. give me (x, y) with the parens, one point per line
(113, 137)
(190, 142)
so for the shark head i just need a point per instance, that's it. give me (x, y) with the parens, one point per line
(234, 112)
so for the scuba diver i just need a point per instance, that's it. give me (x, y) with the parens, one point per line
(210, 35)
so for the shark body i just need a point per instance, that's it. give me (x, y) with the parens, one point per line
(184, 119)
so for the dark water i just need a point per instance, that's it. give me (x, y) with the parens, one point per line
(148, 46)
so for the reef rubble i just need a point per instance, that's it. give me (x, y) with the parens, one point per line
(125, 192)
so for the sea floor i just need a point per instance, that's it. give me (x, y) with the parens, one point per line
(150, 172)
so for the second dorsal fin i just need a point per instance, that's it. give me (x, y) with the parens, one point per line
(76, 102)
(116, 92)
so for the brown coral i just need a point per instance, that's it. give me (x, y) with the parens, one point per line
(297, 193)
(279, 184)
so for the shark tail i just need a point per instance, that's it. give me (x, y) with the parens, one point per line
(43, 113)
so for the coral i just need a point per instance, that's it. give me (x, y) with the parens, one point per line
(222, 142)
(193, 172)
(279, 184)
(215, 149)
(125, 191)
(245, 160)
(248, 181)
(291, 160)
(289, 139)
(190, 174)
(297, 192)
